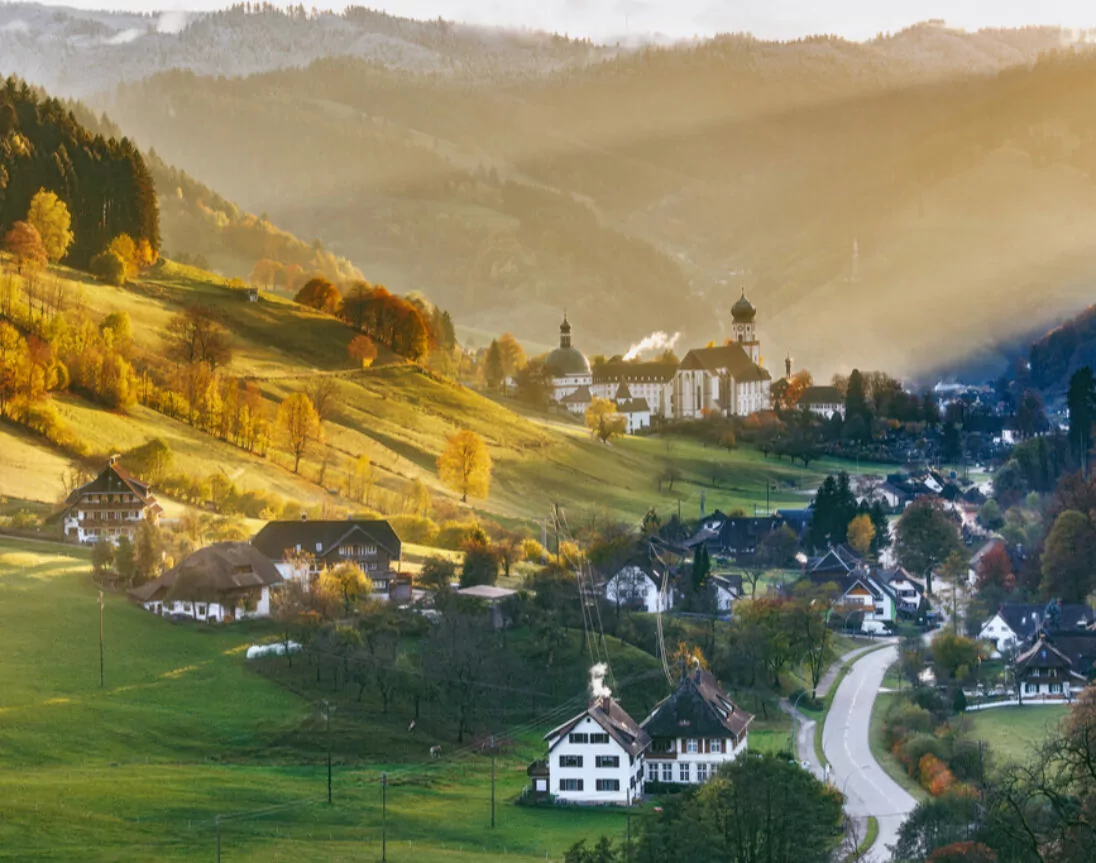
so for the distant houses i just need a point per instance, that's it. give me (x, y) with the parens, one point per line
(109, 507)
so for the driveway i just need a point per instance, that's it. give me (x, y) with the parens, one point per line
(870, 791)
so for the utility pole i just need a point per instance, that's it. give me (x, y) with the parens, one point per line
(492, 781)
(555, 525)
(100, 639)
(218, 839)
(384, 818)
(628, 832)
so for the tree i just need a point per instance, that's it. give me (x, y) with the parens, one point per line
(362, 350)
(125, 561)
(351, 583)
(493, 372)
(954, 571)
(604, 422)
(109, 267)
(481, 563)
(757, 809)
(702, 568)
(360, 482)
(1067, 558)
(856, 404)
(13, 362)
(126, 249)
(298, 426)
(1030, 418)
(102, 556)
(150, 549)
(1081, 400)
(195, 335)
(512, 355)
(437, 572)
(925, 536)
(51, 218)
(465, 465)
(320, 294)
(995, 570)
(24, 243)
(861, 534)
(533, 384)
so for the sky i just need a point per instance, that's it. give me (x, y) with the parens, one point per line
(773, 19)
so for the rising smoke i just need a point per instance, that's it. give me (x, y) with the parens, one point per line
(657, 341)
(598, 689)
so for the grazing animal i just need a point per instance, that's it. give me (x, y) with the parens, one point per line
(435, 751)
(411, 727)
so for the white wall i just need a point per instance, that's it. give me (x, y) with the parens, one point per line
(628, 774)
(631, 584)
(655, 769)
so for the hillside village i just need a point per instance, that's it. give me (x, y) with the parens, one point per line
(299, 567)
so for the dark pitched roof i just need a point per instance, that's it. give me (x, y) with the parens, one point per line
(889, 576)
(112, 480)
(577, 397)
(210, 572)
(821, 396)
(320, 537)
(607, 713)
(732, 583)
(698, 708)
(622, 392)
(634, 372)
(746, 532)
(730, 357)
(754, 373)
(633, 406)
(1042, 654)
(1079, 646)
(838, 559)
(1025, 619)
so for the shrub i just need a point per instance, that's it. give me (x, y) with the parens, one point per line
(456, 534)
(936, 778)
(109, 267)
(414, 528)
(905, 718)
(438, 572)
(532, 550)
(913, 749)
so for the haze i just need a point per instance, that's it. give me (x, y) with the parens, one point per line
(775, 19)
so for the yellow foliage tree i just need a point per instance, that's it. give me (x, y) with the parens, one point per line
(465, 465)
(124, 247)
(298, 426)
(603, 421)
(861, 533)
(350, 582)
(51, 218)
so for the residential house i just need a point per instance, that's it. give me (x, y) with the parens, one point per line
(492, 597)
(735, 537)
(727, 590)
(836, 563)
(597, 756)
(1017, 623)
(908, 592)
(823, 401)
(301, 549)
(872, 597)
(635, 586)
(1043, 670)
(694, 730)
(223, 582)
(111, 506)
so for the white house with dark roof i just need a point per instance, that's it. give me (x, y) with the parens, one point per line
(694, 731)
(636, 587)
(301, 549)
(823, 401)
(650, 382)
(109, 507)
(597, 756)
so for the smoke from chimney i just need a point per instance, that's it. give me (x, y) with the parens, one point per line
(598, 689)
(657, 341)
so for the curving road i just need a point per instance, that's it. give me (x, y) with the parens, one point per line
(869, 789)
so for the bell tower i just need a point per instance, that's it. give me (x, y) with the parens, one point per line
(743, 322)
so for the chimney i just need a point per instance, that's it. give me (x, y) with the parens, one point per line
(113, 459)
(304, 516)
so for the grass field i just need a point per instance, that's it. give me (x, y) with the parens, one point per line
(182, 732)
(1014, 733)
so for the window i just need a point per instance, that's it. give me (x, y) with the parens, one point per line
(607, 761)
(578, 738)
(1056, 688)
(1030, 688)
(201, 609)
(716, 746)
(570, 761)
(662, 745)
(667, 772)
(683, 771)
(652, 772)
(702, 772)
(691, 745)
(542, 784)
(570, 785)
(599, 738)
(608, 785)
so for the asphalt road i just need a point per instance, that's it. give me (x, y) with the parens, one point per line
(870, 791)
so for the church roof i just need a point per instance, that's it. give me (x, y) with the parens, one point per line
(821, 396)
(743, 311)
(633, 406)
(634, 372)
(578, 397)
(622, 392)
(730, 357)
(567, 361)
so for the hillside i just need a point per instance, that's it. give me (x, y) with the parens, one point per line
(848, 187)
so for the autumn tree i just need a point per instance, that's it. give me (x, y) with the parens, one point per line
(603, 420)
(50, 216)
(320, 294)
(352, 584)
(861, 534)
(264, 273)
(125, 248)
(359, 484)
(512, 355)
(196, 335)
(1067, 558)
(493, 372)
(13, 359)
(465, 465)
(109, 267)
(995, 570)
(362, 350)
(298, 426)
(24, 243)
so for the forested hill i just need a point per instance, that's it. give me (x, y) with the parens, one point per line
(1063, 350)
(846, 188)
(104, 181)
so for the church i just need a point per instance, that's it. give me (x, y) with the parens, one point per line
(728, 380)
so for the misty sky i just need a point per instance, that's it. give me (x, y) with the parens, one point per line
(600, 19)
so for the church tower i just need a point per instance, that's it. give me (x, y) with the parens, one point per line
(565, 332)
(743, 327)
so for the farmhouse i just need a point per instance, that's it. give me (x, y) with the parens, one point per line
(1017, 623)
(694, 731)
(823, 401)
(736, 537)
(835, 564)
(301, 549)
(109, 507)
(907, 592)
(222, 582)
(636, 587)
(1043, 670)
(597, 756)
(871, 596)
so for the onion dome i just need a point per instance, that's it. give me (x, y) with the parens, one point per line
(743, 311)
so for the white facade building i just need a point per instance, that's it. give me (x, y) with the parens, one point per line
(825, 402)
(634, 586)
(597, 756)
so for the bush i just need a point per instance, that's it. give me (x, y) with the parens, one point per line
(438, 572)
(457, 534)
(414, 528)
(906, 718)
(109, 267)
(913, 750)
